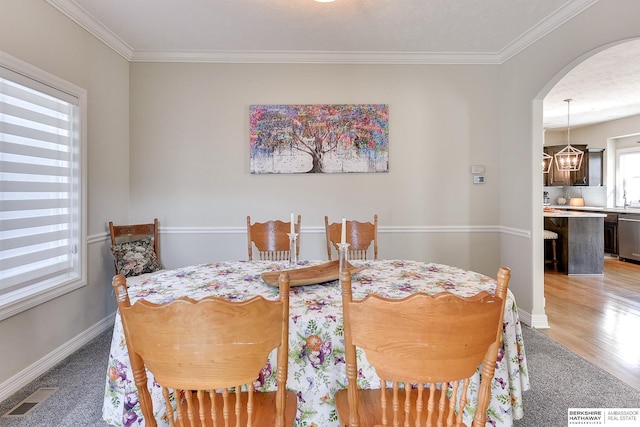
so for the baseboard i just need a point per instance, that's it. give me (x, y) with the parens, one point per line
(21, 379)
(537, 322)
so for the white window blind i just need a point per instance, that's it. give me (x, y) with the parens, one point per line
(40, 189)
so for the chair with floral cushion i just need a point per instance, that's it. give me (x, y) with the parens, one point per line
(135, 248)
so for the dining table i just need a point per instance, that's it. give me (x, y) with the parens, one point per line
(316, 368)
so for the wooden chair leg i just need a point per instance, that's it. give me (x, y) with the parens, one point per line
(553, 259)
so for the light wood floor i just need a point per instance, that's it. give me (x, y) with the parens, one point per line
(598, 317)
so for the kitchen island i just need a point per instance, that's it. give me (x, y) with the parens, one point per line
(630, 239)
(580, 240)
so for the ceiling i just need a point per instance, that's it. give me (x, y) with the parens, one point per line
(604, 87)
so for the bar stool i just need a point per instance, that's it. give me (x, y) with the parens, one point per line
(553, 236)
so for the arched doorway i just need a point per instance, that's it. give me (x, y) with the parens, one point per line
(539, 103)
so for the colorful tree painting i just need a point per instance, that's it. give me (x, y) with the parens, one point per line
(319, 138)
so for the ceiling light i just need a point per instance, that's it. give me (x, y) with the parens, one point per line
(547, 161)
(569, 158)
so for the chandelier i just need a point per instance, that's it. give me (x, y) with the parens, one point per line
(569, 158)
(547, 161)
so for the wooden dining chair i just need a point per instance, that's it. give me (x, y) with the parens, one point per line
(271, 238)
(123, 234)
(206, 356)
(359, 235)
(420, 346)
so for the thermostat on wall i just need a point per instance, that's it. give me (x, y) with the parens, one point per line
(478, 179)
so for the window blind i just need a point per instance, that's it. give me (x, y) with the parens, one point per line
(39, 181)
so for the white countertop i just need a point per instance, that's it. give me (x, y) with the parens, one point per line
(572, 214)
(597, 208)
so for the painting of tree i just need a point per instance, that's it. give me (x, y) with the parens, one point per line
(319, 138)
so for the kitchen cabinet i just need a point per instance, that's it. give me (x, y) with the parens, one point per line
(557, 177)
(554, 177)
(611, 234)
(590, 172)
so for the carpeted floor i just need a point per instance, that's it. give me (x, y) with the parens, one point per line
(78, 401)
(560, 379)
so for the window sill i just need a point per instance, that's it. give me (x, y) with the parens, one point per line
(23, 299)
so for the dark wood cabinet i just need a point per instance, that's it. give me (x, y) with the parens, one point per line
(590, 172)
(555, 177)
(581, 176)
(611, 234)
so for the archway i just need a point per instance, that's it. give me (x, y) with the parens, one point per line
(538, 108)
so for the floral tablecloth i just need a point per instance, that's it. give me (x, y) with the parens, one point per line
(316, 347)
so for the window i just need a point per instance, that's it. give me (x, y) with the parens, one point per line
(628, 176)
(42, 201)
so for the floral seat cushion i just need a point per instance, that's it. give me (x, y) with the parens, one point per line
(136, 257)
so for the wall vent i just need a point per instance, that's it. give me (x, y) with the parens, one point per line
(37, 397)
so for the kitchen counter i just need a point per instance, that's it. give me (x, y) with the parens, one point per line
(580, 240)
(597, 208)
(561, 213)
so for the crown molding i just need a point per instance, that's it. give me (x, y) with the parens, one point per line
(553, 21)
(315, 57)
(93, 26)
(96, 28)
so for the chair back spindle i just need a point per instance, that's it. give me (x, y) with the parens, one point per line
(359, 235)
(271, 239)
(424, 348)
(206, 356)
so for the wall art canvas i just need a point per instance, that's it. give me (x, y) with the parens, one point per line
(319, 138)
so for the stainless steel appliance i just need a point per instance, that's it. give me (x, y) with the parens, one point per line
(629, 236)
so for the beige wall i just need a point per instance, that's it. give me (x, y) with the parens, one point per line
(596, 136)
(187, 125)
(34, 32)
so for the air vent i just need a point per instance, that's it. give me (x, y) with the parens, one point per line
(37, 397)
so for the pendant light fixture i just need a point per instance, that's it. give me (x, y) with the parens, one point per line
(569, 158)
(547, 161)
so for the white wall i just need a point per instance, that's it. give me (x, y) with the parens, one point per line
(190, 145)
(596, 135)
(38, 34)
